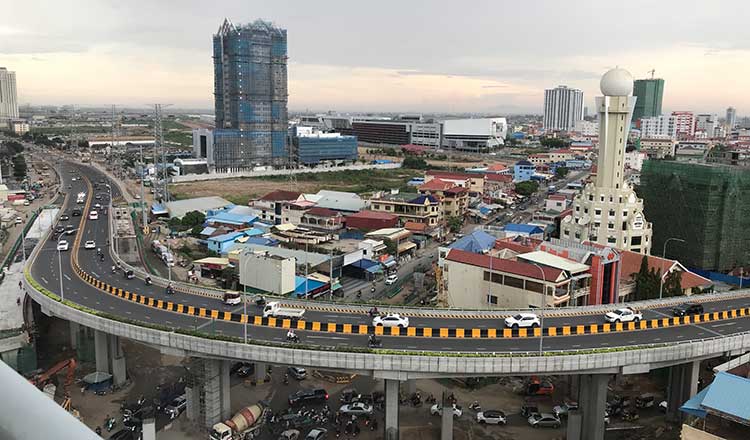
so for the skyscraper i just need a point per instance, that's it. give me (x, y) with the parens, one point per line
(563, 107)
(608, 211)
(250, 91)
(648, 94)
(731, 118)
(8, 98)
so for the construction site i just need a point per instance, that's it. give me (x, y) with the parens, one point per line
(704, 204)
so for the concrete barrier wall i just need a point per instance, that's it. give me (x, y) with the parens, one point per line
(404, 366)
(240, 174)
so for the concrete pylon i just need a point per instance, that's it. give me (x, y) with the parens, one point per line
(446, 419)
(261, 369)
(391, 409)
(101, 351)
(208, 394)
(592, 401)
(682, 385)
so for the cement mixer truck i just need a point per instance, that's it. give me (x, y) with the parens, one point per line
(245, 425)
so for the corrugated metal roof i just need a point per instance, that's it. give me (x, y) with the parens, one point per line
(547, 259)
(202, 204)
(476, 242)
(729, 394)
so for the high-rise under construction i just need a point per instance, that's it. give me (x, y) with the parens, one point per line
(705, 204)
(250, 90)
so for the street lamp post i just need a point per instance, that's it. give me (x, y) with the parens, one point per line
(663, 253)
(544, 304)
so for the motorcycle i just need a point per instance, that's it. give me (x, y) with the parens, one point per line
(475, 406)
(260, 301)
(373, 312)
(294, 339)
(431, 399)
(374, 343)
(110, 423)
(148, 281)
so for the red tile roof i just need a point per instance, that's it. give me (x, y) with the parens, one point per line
(527, 245)
(281, 195)
(415, 226)
(373, 215)
(557, 197)
(631, 264)
(436, 185)
(492, 177)
(322, 212)
(497, 167)
(501, 265)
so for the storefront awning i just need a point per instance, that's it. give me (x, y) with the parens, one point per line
(406, 247)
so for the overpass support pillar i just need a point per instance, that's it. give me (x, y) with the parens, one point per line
(109, 356)
(391, 409)
(410, 387)
(446, 425)
(208, 393)
(74, 329)
(149, 429)
(682, 385)
(592, 400)
(261, 371)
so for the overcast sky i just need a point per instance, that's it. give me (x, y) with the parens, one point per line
(434, 55)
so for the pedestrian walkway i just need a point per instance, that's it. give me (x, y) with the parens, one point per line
(11, 298)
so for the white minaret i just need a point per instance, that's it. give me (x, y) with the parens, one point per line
(608, 211)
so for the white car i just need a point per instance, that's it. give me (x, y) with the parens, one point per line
(391, 320)
(90, 244)
(356, 408)
(437, 410)
(491, 417)
(391, 279)
(62, 245)
(522, 320)
(625, 314)
(93, 215)
(97, 206)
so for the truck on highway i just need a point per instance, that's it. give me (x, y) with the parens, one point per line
(274, 309)
(243, 426)
(81, 198)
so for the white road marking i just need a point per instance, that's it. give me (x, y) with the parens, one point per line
(45, 281)
(148, 317)
(129, 313)
(328, 337)
(168, 322)
(724, 325)
(94, 274)
(604, 343)
(67, 278)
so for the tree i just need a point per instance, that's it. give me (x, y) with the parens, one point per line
(19, 167)
(526, 188)
(390, 246)
(175, 224)
(192, 219)
(455, 223)
(196, 230)
(551, 142)
(646, 281)
(414, 162)
(672, 284)
(561, 172)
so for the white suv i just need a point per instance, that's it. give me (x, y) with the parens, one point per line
(522, 320)
(625, 314)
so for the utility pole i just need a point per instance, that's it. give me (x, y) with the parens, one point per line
(159, 145)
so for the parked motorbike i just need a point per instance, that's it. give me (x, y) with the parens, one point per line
(110, 423)
(475, 406)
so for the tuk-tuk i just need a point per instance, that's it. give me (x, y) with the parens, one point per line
(645, 400)
(289, 434)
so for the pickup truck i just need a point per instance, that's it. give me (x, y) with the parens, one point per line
(274, 309)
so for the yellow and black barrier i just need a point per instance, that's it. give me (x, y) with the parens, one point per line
(426, 332)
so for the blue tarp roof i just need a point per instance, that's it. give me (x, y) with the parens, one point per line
(523, 228)
(262, 241)
(302, 285)
(476, 242)
(226, 237)
(159, 209)
(728, 395)
(235, 219)
(368, 265)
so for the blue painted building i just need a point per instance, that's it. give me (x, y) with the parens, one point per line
(311, 149)
(523, 170)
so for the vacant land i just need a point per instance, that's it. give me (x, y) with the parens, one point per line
(239, 191)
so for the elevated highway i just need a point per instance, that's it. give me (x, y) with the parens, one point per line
(438, 343)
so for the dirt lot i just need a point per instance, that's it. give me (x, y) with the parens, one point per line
(241, 190)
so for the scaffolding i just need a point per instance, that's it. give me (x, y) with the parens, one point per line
(707, 205)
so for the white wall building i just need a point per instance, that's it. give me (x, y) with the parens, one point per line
(608, 211)
(203, 145)
(662, 126)
(18, 126)
(707, 124)
(684, 124)
(563, 108)
(587, 128)
(8, 96)
(478, 134)
(634, 160)
(266, 272)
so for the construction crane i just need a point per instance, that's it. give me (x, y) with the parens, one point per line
(41, 380)
(652, 72)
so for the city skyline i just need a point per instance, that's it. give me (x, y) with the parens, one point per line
(91, 54)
